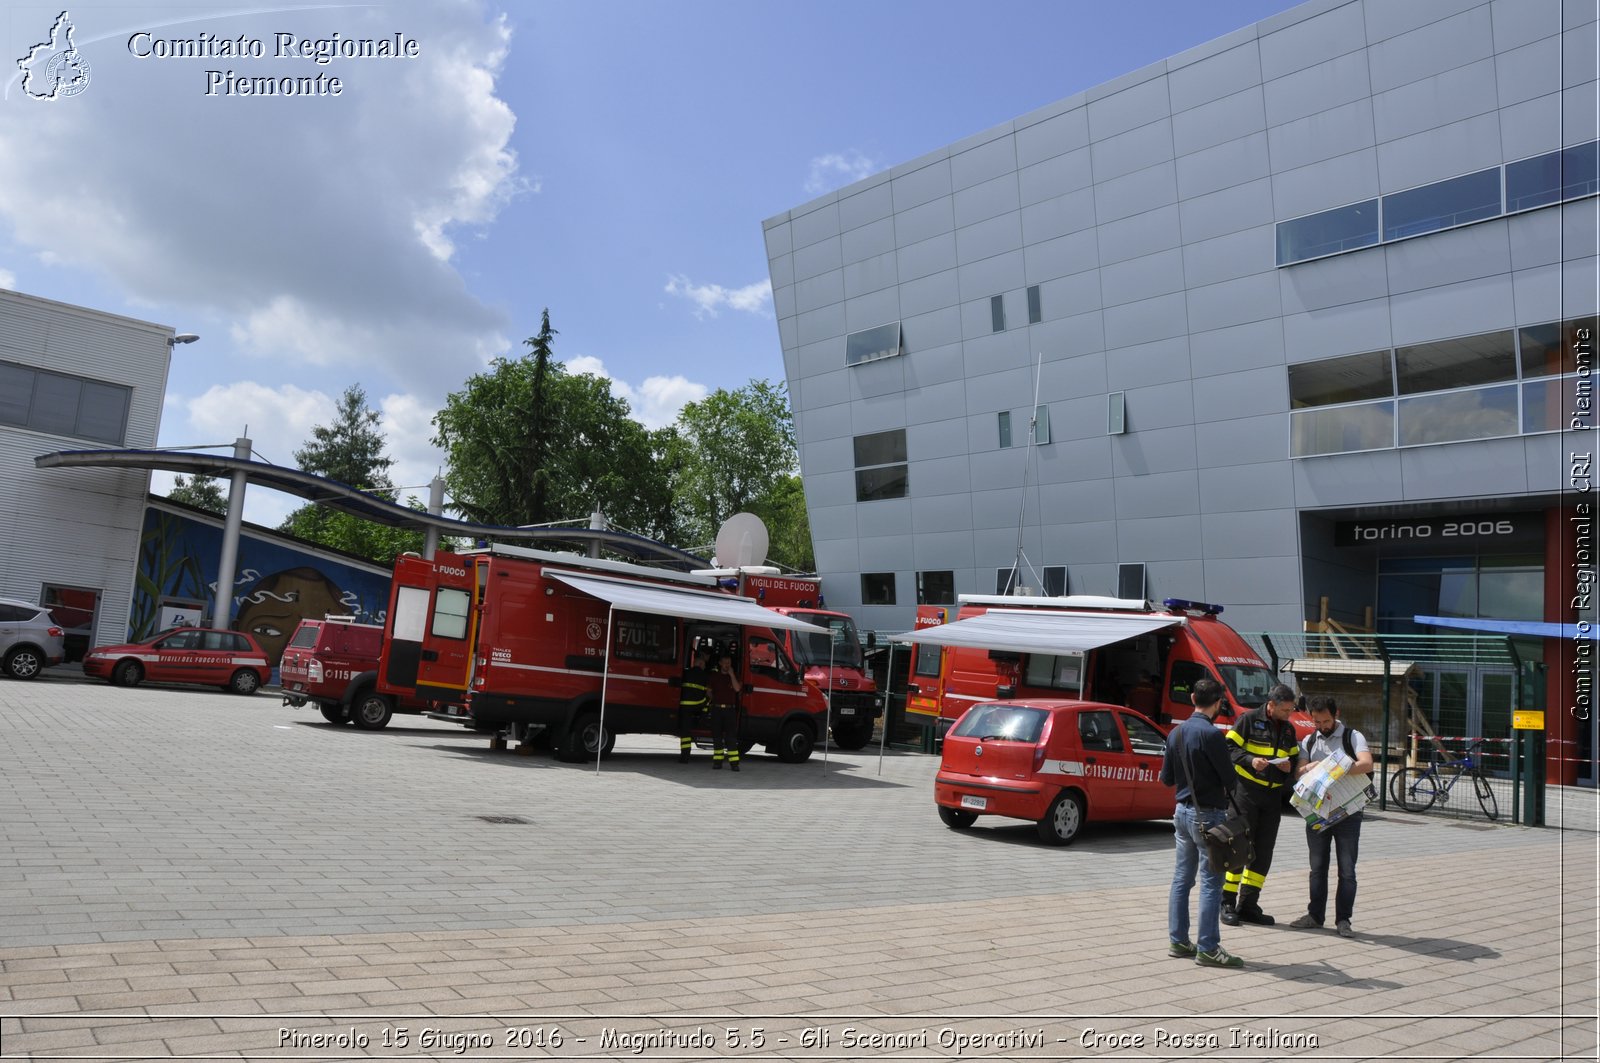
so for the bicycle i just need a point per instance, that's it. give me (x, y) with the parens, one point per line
(1417, 789)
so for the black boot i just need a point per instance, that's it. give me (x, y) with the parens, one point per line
(1249, 910)
(1230, 910)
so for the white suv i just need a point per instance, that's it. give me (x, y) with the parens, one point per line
(30, 639)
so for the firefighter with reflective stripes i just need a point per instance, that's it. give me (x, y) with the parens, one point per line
(1265, 752)
(725, 687)
(694, 698)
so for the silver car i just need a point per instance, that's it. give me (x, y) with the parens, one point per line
(30, 639)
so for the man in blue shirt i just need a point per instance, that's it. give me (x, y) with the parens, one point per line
(1198, 764)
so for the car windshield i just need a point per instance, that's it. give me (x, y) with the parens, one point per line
(1248, 683)
(812, 648)
(1014, 723)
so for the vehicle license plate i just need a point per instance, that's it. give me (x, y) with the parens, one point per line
(979, 803)
(843, 711)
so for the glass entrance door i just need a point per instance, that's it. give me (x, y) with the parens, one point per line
(1471, 702)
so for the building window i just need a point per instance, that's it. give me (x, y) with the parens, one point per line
(881, 471)
(1328, 233)
(869, 345)
(1458, 363)
(1035, 309)
(63, 405)
(997, 313)
(1055, 581)
(1005, 428)
(1005, 580)
(936, 588)
(1496, 384)
(1041, 424)
(1442, 205)
(877, 588)
(1545, 179)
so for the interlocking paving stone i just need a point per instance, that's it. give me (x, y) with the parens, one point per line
(229, 856)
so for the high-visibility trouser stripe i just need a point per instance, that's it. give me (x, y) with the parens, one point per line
(716, 754)
(1245, 773)
(1232, 880)
(685, 703)
(733, 755)
(685, 742)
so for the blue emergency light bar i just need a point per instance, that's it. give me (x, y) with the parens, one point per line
(1185, 605)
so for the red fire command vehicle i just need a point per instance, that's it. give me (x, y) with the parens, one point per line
(856, 701)
(1108, 650)
(332, 663)
(521, 637)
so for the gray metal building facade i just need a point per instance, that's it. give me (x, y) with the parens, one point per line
(1320, 269)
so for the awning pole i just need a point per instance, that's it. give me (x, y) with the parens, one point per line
(829, 718)
(605, 677)
(888, 701)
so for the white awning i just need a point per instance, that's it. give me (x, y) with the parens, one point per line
(1037, 631)
(674, 601)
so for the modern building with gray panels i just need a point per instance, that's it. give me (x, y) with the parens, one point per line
(1303, 313)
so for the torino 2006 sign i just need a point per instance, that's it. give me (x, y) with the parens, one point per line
(1499, 529)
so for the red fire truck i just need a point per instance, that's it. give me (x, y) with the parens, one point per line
(1110, 650)
(575, 650)
(856, 701)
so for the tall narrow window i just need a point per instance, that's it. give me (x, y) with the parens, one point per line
(997, 313)
(1041, 424)
(1055, 580)
(1035, 310)
(1005, 428)
(881, 465)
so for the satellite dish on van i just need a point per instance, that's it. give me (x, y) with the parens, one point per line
(742, 540)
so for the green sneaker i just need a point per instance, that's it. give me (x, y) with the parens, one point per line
(1181, 949)
(1221, 958)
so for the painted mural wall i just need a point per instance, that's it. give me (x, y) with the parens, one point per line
(277, 582)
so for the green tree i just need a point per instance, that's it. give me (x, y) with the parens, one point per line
(529, 443)
(351, 451)
(199, 490)
(735, 452)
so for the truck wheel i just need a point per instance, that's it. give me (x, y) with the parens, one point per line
(334, 715)
(794, 742)
(24, 662)
(586, 738)
(370, 711)
(127, 673)
(244, 681)
(1064, 821)
(956, 818)
(853, 735)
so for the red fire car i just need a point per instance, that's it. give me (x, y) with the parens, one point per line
(231, 660)
(1058, 763)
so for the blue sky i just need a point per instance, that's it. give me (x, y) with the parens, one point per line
(612, 161)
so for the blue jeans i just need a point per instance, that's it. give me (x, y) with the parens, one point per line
(1188, 824)
(1345, 836)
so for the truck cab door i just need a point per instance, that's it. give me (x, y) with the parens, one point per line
(429, 630)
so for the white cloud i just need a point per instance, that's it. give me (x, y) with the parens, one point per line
(8, 279)
(655, 402)
(709, 298)
(279, 420)
(323, 229)
(837, 170)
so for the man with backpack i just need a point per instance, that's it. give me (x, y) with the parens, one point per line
(1197, 763)
(1331, 737)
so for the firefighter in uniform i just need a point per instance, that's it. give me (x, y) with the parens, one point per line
(694, 689)
(725, 687)
(1265, 752)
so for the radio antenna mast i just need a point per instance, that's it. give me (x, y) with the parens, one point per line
(1027, 465)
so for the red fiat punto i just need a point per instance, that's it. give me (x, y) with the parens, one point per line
(231, 660)
(1058, 763)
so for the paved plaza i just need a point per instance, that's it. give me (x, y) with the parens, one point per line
(186, 873)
